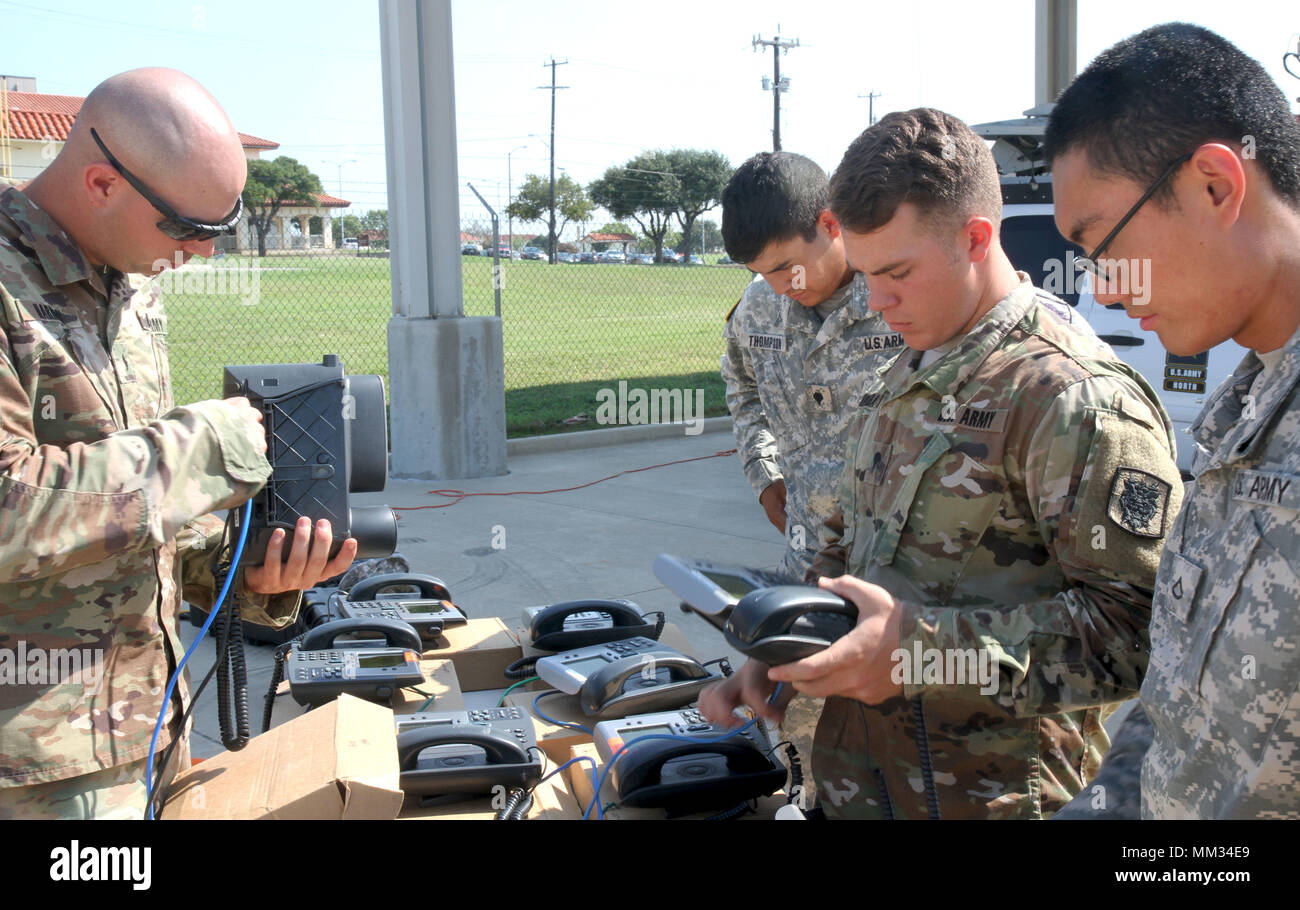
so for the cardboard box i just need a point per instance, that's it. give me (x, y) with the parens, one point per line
(670, 636)
(439, 681)
(481, 649)
(338, 761)
(556, 741)
(581, 785)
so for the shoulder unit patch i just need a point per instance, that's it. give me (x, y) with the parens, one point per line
(1139, 502)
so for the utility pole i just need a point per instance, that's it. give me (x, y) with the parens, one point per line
(779, 46)
(553, 87)
(871, 107)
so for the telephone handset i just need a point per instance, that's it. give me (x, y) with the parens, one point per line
(684, 777)
(430, 606)
(447, 753)
(788, 623)
(396, 633)
(642, 683)
(430, 588)
(580, 623)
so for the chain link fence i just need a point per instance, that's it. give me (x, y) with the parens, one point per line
(573, 330)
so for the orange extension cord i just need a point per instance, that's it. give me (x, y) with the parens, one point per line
(457, 495)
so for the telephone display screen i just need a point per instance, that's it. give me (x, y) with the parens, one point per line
(426, 607)
(736, 587)
(587, 665)
(638, 732)
(373, 661)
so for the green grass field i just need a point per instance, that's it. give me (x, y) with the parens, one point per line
(569, 329)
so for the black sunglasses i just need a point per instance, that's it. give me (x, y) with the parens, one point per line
(174, 224)
(1089, 263)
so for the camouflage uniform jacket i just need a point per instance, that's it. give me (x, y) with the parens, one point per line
(1013, 497)
(99, 476)
(793, 388)
(1223, 690)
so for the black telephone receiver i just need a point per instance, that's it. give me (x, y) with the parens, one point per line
(547, 632)
(505, 763)
(397, 634)
(685, 777)
(430, 588)
(788, 623)
(623, 686)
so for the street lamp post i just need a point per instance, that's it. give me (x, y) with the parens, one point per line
(343, 227)
(510, 200)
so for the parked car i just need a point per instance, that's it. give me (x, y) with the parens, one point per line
(613, 256)
(531, 252)
(726, 260)
(671, 256)
(588, 256)
(566, 257)
(471, 249)
(350, 243)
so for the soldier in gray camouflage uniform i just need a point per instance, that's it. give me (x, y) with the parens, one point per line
(801, 345)
(1006, 493)
(105, 487)
(1183, 114)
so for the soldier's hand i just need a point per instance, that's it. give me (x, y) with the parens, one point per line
(308, 561)
(749, 687)
(251, 418)
(772, 500)
(859, 664)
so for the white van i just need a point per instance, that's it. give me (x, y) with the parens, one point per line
(1033, 245)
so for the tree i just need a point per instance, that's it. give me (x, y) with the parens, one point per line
(272, 184)
(533, 202)
(347, 226)
(644, 189)
(699, 178)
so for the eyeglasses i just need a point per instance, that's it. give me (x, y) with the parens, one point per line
(174, 224)
(1089, 263)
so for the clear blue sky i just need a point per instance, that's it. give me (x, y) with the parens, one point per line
(307, 74)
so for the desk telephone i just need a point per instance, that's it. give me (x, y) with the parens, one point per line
(429, 611)
(626, 677)
(374, 669)
(467, 752)
(581, 623)
(684, 777)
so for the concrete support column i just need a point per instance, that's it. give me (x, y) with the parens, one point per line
(446, 372)
(1056, 33)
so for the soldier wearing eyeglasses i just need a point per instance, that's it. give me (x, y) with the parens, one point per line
(106, 488)
(1175, 148)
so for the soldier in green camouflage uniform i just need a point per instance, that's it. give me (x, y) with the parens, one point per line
(801, 344)
(1003, 503)
(105, 487)
(1221, 175)
(997, 492)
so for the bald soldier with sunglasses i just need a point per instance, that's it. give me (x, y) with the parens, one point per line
(106, 489)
